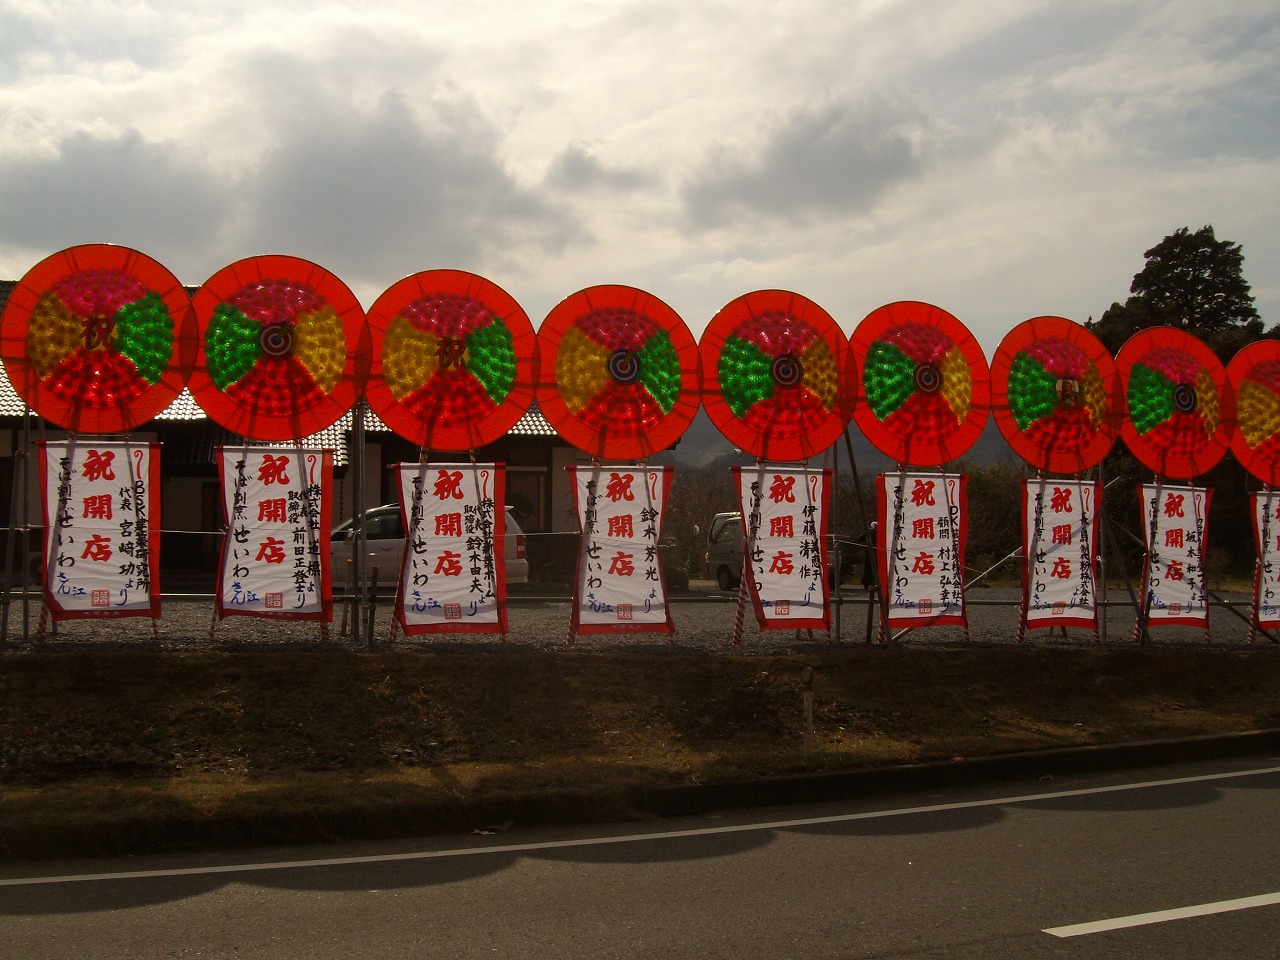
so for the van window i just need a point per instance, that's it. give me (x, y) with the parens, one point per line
(384, 526)
(731, 529)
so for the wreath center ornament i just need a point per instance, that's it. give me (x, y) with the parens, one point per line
(1069, 392)
(928, 378)
(97, 331)
(624, 366)
(1184, 398)
(277, 339)
(787, 371)
(452, 352)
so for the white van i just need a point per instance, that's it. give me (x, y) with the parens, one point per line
(725, 545)
(384, 546)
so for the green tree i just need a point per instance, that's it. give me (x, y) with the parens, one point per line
(1197, 281)
(697, 495)
(1192, 281)
(995, 515)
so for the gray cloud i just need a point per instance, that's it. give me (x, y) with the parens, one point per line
(1179, 85)
(839, 157)
(372, 194)
(119, 190)
(1043, 41)
(577, 170)
(387, 192)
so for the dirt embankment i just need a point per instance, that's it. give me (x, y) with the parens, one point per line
(112, 745)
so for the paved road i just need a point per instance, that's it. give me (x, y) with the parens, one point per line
(994, 873)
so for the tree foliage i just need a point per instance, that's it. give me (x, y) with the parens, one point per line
(1197, 281)
(1192, 281)
(697, 495)
(995, 514)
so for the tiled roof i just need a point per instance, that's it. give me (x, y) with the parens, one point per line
(199, 446)
(11, 404)
(182, 408)
(533, 424)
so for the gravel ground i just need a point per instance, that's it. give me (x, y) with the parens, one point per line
(703, 617)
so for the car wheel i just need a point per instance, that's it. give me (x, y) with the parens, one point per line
(726, 580)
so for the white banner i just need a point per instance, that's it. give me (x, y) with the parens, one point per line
(1174, 523)
(453, 576)
(101, 504)
(1266, 533)
(620, 585)
(275, 559)
(786, 509)
(1059, 543)
(921, 540)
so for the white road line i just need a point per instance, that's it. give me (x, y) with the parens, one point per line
(515, 848)
(1163, 916)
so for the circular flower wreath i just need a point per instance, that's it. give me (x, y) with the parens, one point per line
(275, 346)
(99, 338)
(1180, 407)
(777, 375)
(448, 358)
(908, 368)
(924, 385)
(620, 376)
(617, 368)
(1059, 410)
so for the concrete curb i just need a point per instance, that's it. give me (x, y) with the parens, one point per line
(124, 835)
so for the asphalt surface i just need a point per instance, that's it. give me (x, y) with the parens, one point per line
(1178, 862)
(704, 620)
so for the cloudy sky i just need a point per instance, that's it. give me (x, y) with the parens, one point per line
(1002, 159)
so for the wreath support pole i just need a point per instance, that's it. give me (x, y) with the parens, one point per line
(1100, 562)
(44, 564)
(1140, 635)
(1108, 533)
(357, 493)
(749, 532)
(891, 565)
(868, 529)
(18, 485)
(837, 598)
(1029, 563)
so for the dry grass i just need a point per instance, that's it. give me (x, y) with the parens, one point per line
(102, 752)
